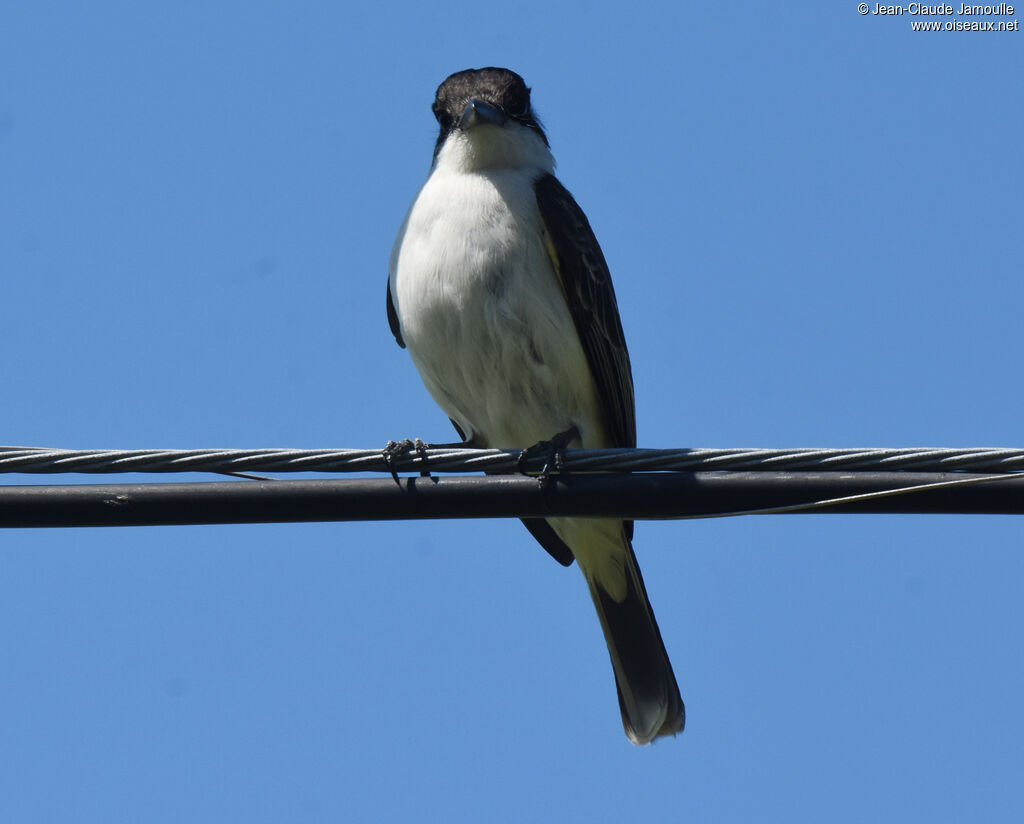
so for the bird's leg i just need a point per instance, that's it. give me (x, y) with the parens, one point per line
(553, 450)
(398, 449)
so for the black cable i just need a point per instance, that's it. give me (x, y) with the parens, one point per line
(640, 496)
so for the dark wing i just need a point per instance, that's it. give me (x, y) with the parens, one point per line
(396, 329)
(546, 536)
(587, 283)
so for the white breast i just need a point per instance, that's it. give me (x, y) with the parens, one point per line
(483, 315)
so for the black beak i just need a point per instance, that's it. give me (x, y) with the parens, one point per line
(477, 113)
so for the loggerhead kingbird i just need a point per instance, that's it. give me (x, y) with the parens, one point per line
(500, 291)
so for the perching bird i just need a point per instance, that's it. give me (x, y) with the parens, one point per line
(501, 293)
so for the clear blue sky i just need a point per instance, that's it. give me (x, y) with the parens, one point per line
(813, 219)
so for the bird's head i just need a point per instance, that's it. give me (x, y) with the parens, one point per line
(487, 121)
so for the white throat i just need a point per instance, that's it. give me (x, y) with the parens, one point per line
(494, 147)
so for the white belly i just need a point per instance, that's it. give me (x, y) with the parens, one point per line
(483, 315)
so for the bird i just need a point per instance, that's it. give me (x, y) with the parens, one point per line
(502, 296)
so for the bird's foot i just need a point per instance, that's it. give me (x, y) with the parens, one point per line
(399, 449)
(553, 451)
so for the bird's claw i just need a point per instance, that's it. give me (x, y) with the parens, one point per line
(399, 449)
(553, 451)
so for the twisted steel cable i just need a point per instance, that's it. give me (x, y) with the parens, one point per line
(40, 460)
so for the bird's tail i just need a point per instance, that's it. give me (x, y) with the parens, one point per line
(648, 694)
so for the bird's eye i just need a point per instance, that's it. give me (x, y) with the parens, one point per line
(523, 103)
(515, 104)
